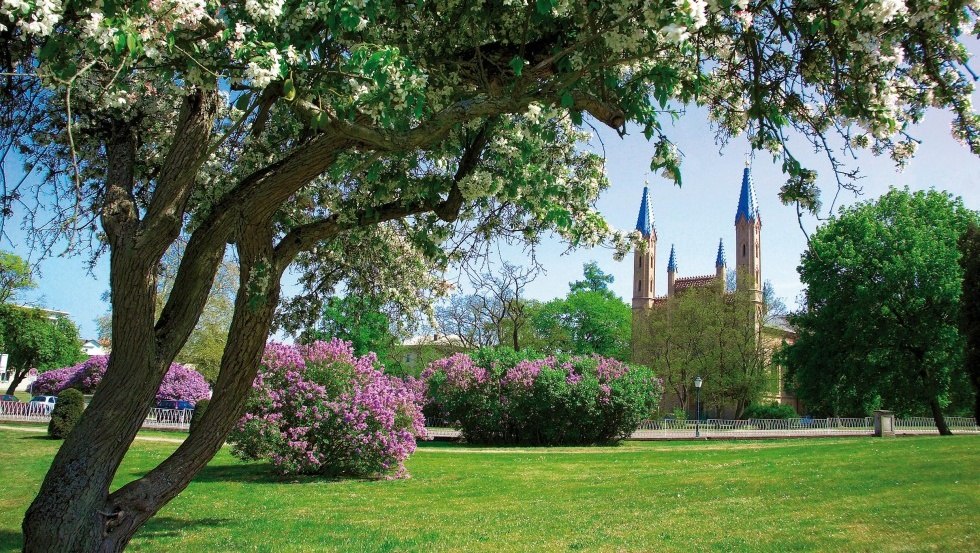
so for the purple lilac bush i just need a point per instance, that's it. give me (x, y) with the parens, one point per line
(180, 382)
(503, 397)
(320, 409)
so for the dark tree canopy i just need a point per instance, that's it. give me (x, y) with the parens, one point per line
(970, 308)
(881, 327)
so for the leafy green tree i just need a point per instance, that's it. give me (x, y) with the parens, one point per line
(358, 320)
(585, 322)
(970, 308)
(703, 332)
(883, 286)
(15, 276)
(33, 339)
(66, 413)
(595, 280)
(366, 143)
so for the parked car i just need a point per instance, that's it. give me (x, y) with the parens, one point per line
(42, 404)
(179, 404)
(174, 410)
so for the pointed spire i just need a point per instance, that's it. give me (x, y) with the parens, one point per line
(720, 260)
(748, 205)
(644, 221)
(672, 262)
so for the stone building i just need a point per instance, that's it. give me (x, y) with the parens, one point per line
(748, 275)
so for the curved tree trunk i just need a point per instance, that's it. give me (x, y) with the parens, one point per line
(99, 521)
(937, 414)
(19, 375)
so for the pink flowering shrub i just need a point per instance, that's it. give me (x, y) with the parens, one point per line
(180, 382)
(503, 397)
(319, 409)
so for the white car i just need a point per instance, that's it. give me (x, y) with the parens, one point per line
(42, 404)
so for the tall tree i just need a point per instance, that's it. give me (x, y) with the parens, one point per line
(338, 132)
(495, 314)
(358, 320)
(703, 332)
(883, 286)
(15, 276)
(591, 319)
(970, 308)
(35, 340)
(594, 279)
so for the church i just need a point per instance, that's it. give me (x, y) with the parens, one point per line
(748, 277)
(748, 254)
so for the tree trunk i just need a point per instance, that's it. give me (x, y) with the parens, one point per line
(937, 414)
(70, 511)
(19, 375)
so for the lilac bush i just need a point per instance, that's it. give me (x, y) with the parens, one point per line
(180, 382)
(320, 409)
(503, 397)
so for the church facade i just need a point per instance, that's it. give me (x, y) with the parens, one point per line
(748, 277)
(748, 254)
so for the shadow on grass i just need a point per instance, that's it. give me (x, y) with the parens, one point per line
(43, 437)
(262, 473)
(10, 540)
(168, 527)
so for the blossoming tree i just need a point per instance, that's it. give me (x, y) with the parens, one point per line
(366, 140)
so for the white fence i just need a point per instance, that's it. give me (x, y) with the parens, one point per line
(180, 419)
(159, 419)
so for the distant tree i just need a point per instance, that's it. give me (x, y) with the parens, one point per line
(32, 339)
(702, 332)
(595, 280)
(883, 287)
(66, 413)
(773, 307)
(970, 308)
(585, 322)
(495, 314)
(358, 320)
(15, 276)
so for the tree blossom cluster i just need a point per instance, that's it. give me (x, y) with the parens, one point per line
(497, 397)
(320, 409)
(180, 382)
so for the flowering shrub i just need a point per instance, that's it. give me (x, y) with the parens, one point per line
(503, 397)
(180, 382)
(319, 409)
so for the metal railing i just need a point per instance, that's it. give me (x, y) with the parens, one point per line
(180, 419)
(159, 419)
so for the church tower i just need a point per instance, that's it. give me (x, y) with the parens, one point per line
(671, 272)
(720, 264)
(644, 261)
(748, 236)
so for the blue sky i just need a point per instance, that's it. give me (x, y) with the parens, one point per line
(692, 217)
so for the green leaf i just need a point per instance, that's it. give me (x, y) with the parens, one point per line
(545, 6)
(120, 42)
(132, 42)
(567, 100)
(241, 104)
(289, 90)
(517, 64)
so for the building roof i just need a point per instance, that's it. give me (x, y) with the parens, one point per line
(748, 204)
(694, 282)
(720, 259)
(672, 262)
(644, 221)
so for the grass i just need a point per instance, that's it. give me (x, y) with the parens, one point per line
(858, 494)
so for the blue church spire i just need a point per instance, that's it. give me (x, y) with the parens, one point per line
(644, 221)
(748, 205)
(672, 262)
(720, 260)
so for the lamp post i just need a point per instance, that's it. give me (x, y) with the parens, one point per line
(697, 422)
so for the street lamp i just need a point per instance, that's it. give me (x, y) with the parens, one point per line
(697, 423)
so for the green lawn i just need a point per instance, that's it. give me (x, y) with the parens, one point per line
(859, 494)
